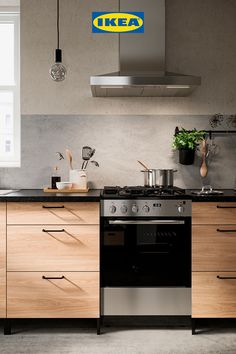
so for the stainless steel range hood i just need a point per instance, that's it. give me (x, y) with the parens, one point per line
(142, 71)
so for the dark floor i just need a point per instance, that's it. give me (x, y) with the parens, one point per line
(120, 336)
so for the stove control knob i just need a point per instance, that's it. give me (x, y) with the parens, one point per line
(123, 209)
(180, 209)
(146, 209)
(112, 209)
(134, 208)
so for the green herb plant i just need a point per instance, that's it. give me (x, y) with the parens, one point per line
(188, 140)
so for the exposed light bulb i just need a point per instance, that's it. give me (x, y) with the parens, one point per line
(58, 70)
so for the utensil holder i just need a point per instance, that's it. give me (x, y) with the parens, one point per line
(78, 178)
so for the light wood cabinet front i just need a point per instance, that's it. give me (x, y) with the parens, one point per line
(214, 213)
(53, 248)
(2, 260)
(214, 248)
(74, 295)
(52, 213)
(212, 296)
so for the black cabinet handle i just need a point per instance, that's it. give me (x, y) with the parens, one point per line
(53, 206)
(226, 278)
(46, 230)
(52, 278)
(219, 230)
(225, 207)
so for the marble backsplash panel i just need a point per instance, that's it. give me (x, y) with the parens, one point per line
(119, 141)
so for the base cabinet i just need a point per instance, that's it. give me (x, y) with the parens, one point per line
(49, 261)
(2, 260)
(213, 261)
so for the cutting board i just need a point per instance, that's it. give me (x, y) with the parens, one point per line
(50, 190)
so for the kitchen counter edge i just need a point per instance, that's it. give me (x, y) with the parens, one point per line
(37, 195)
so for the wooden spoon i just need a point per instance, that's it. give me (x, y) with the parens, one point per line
(203, 169)
(142, 164)
(69, 158)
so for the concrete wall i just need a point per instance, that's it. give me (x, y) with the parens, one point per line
(200, 41)
(119, 141)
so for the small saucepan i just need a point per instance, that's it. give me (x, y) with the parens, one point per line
(149, 177)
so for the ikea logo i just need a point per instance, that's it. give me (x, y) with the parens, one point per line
(118, 22)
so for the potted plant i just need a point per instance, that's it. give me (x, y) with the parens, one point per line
(186, 142)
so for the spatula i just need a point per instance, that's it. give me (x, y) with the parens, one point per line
(203, 169)
(69, 158)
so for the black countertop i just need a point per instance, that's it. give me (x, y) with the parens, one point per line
(38, 195)
(229, 195)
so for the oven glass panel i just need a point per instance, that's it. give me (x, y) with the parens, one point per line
(146, 255)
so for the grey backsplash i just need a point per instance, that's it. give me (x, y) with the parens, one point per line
(119, 141)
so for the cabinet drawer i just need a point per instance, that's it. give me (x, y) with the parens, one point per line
(53, 248)
(213, 297)
(214, 213)
(30, 296)
(52, 213)
(214, 247)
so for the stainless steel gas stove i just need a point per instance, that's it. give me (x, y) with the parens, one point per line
(145, 251)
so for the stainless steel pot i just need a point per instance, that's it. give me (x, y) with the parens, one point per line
(149, 178)
(165, 177)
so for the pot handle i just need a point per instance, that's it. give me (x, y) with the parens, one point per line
(175, 170)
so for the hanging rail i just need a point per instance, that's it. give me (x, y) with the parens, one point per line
(209, 132)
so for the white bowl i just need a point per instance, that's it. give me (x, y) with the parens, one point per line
(64, 185)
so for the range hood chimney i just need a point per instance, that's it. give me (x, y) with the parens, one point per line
(142, 70)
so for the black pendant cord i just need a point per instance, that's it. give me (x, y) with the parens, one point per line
(58, 24)
(58, 52)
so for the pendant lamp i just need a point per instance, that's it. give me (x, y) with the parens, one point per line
(58, 70)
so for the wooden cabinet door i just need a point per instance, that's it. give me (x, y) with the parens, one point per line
(73, 295)
(2, 260)
(214, 248)
(213, 294)
(214, 213)
(52, 213)
(53, 248)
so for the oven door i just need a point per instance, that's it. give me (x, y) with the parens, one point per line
(146, 252)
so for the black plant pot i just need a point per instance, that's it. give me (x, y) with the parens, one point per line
(186, 156)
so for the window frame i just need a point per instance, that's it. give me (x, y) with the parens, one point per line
(12, 15)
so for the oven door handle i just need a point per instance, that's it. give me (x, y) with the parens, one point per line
(146, 222)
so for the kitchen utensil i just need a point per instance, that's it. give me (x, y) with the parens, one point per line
(95, 163)
(91, 155)
(203, 168)
(142, 164)
(87, 153)
(165, 177)
(69, 158)
(64, 185)
(149, 177)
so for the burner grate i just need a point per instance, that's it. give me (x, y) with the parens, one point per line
(140, 191)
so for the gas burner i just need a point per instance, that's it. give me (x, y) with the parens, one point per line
(140, 191)
(132, 191)
(164, 191)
